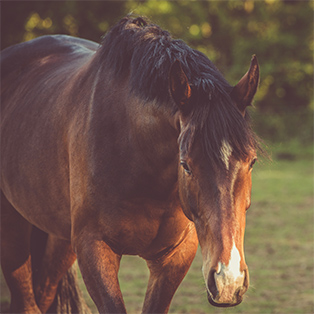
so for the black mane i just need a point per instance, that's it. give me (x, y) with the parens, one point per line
(144, 52)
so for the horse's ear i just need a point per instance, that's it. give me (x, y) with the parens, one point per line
(243, 93)
(179, 85)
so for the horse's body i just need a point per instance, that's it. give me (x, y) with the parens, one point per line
(90, 156)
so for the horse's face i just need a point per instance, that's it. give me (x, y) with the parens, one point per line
(216, 199)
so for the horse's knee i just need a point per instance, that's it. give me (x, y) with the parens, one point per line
(167, 272)
(56, 260)
(99, 266)
(15, 236)
(19, 281)
(16, 258)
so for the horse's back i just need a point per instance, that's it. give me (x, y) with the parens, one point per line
(38, 79)
(34, 63)
(19, 55)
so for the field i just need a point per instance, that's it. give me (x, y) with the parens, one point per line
(278, 245)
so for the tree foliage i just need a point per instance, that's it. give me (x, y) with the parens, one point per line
(279, 32)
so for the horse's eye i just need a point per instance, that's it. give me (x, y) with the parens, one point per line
(185, 167)
(253, 162)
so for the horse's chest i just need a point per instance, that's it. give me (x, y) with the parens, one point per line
(148, 231)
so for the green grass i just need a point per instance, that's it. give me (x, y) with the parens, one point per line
(278, 245)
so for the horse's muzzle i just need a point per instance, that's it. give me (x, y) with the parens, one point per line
(224, 291)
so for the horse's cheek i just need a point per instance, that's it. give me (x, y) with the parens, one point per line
(187, 196)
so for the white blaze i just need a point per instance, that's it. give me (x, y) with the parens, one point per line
(232, 270)
(225, 151)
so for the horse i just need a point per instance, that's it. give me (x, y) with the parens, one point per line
(137, 145)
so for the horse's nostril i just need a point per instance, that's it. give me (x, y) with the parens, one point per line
(246, 283)
(212, 284)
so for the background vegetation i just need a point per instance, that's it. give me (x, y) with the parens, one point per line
(279, 236)
(280, 33)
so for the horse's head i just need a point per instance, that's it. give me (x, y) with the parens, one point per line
(216, 160)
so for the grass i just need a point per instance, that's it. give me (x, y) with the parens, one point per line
(278, 245)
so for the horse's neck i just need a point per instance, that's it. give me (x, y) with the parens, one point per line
(132, 141)
(153, 129)
(154, 138)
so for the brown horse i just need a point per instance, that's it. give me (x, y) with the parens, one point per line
(138, 146)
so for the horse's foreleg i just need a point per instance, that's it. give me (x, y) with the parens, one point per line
(99, 266)
(16, 259)
(166, 274)
(58, 258)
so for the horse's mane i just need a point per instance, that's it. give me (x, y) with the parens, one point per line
(144, 52)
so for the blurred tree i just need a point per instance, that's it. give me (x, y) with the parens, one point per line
(25, 20)
(279, 32)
